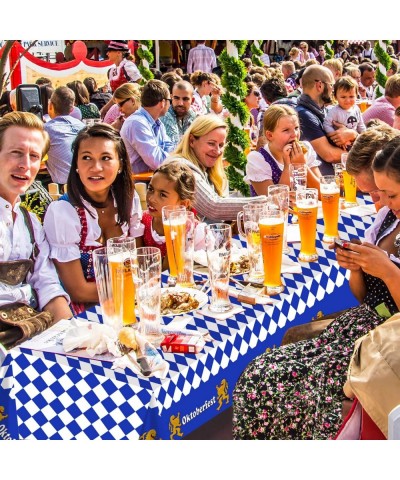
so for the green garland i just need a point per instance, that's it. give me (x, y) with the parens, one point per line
(328, 49)
(145, 55)
(232, 78)
(257, 52)
(384, 64)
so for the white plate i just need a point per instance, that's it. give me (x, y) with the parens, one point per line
(201, 297)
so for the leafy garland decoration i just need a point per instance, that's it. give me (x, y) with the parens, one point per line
(257, 52)
(232, 78)
(329, 50)
(384, 64)
(146, 58)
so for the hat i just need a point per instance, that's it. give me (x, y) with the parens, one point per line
(118, 46)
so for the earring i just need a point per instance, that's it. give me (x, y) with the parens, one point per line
(77, 171)
(119, 171)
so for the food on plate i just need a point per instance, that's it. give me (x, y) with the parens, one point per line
(177, 302)
(242, 265)
(127, 337)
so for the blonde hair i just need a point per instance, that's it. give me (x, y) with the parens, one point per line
(202, 126)
(128, 90)
(274, 113)
(334, 65)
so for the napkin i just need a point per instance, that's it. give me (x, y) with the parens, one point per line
(221, 316)
(95, 338)
(159, 367)
(361, 210)
(293, 233)
(289, 265)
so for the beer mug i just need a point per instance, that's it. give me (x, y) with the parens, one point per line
(350, 187)
(298, 176)
(279, 195)
(247, 222)
(271, 232)
(307, 206)
(330, 193)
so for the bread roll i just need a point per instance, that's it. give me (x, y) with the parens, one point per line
(303, 147)
(127, 336)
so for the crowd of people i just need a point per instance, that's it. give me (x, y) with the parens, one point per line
(175, 127)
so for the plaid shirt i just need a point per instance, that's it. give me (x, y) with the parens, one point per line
(175, 126)
(201, 58)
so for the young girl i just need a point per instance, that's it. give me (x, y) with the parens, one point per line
(270, 164)
(101, 203)
(173, 183)
(346, 112)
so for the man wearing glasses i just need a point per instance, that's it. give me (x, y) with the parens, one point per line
(180, 114)
(317, 82)
(144, 135)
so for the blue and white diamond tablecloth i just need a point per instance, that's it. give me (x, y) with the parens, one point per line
(52, 396)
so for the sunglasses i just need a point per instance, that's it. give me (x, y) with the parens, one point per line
(121, 104)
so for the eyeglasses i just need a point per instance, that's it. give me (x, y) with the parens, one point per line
(169, 100)
(121, 104)
(326, 83)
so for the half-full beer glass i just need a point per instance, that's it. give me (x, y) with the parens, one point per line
(279, 195)
(248, 226)
(307, 206)
(350, 187)
(330, 195)
(218, 246)
(272, 222)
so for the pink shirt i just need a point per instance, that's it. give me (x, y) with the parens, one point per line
(382, 109)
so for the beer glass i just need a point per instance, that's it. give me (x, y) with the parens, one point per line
(108, 267)
(272, 222)
(186, 279)
(350, 187)
(128, 244)
(298, 176)
(279, 195)
(248, 226)
(330, 194)
(338, 169)
(218, 247)
(174, 222)
(146, 272)
(307, 206)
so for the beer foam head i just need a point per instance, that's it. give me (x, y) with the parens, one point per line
(271, 221)
(332, 187)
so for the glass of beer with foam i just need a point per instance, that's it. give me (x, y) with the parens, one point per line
(330, 196)
(272, 221)
(307, 206)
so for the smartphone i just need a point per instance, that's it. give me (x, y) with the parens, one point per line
(29, 99)
(345, 244)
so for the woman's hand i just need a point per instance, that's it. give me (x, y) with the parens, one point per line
(370, 258)
(345, 258)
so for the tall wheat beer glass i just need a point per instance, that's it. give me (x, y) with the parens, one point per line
(128, 245)
(174, 221)
(271, 231)
(330, 195)
(307, 205)
(350, 187)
